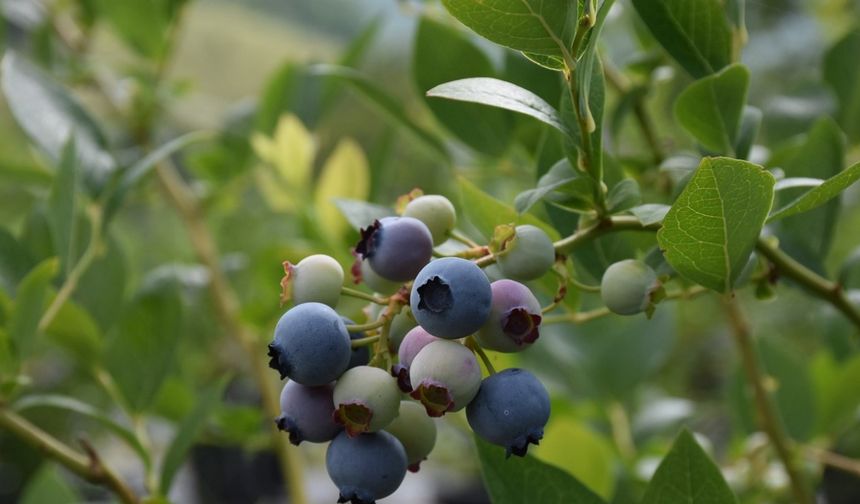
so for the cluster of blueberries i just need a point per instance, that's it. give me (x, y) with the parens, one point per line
(437, 314)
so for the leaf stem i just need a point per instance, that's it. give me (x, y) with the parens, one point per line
(476, 348)
(459, 236)
(767, 416)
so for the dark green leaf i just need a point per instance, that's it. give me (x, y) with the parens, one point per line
(75, 330)
(750, 124)
(50, 117)
(188, 431)
(549, 62)
(501, 94)
(14, 261)
(527, 480)
(61, 207)
(695, 32)
(710, 109)
(708, 234)
(843, 74)
(30, 302)
(688, 475)
(595, 107)
(820, 194)
(533, 26)
(48, 485)
(392, 109)
(102, 289)
(572, 188)
(435, 42)
(361, 214)
(623, 196)
(793, 395)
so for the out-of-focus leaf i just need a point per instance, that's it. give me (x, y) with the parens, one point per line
(51, 116)
(836, 392)
(820, 194)
(291, 152)
(433, 65)
(278, 97)
(47, 485)
(712, 227)
(585, 455)
(573, 187)
(696, 33)
(501, 94)
(486, 212)
(30, 302)
(750, 125)
(76, 331)
(188, 432)
(711, 108)
(78, 407)
(533, 26)
(143, 346)
(361, 214)
(650, 213)
(527, 479)
(843, 74)
(143, 25)
(687, 474)
(61, 207)
(345, 174)
(623, 196)
(102, 289)
(351, 57)
(14, 261)
(794, 394)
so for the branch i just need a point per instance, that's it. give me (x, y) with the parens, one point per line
(88, 467)
(767, 417)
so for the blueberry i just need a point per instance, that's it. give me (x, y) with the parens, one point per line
(451, 298)
(306, 413)
(416, 431)
(360, 356)
(401, 324)
(363, 273)
(528, 255)
(366, 399)
(510, 410)
(396, 247)
(317, 278)
(311, 345)
(445, 376)
(627, 286)
(436, 212)
(514, 318)
(367, 467)
(416, 339)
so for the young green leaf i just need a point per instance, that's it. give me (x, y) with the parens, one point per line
(344, 175)
(526, 480)
(712, 227)
(688, 475)
(533, 26)
(710, 109)
(820, 194)
(843, 74)
(30, 302)
(694, 32)
(61, 206)
(501, 94)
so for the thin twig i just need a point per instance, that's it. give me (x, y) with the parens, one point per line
(475, 347)
(346, 291)
(835, 460)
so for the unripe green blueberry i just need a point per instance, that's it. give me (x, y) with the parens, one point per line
(445, 376)
(436, 212)
(416, 431)
(627, 287)
(528, 255)
(401, 324)
(363, 273)
(366, 399)
(317, 278)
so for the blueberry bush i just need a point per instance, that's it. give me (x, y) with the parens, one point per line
(509, 251)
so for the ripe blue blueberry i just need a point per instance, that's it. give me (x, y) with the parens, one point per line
(451, 298)
(416, 339)
(445, 376)
(514, 318)
(511, 410)
(436, 212)
(416, 431)
(627, 287)
(360, 356)
(366, 399)
(317, 278)
(311, 345)
(528, 255)
(367, 467)
(307, 413)
(396, 247)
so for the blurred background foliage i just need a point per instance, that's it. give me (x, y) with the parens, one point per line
(302, 103)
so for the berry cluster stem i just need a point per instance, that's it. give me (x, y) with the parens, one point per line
(475, 347)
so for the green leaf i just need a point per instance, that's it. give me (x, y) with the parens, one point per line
(549, 62)
(361, 214)
(143, 25)
(837, 394)
(710, 109)
(51, 116)
(79, 407)
(712, 227)
(15, 261)
(688, 475)
(843, 74)
(390, 107)
(61, 207)
(694, 32)
(533, 26)
(563, 185)
(345, 174)
(30, 304)
(596, 97)
(820, 194)
(188, 431)
(102, 289)
(650, 213)
(794, 395)
(623, 196)
(278, 96)
(435, 42)
(501, 94)
(750, 125)
(486, 212)
(75, 330)
(48, 485)
(143, 348)
(527, 480)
